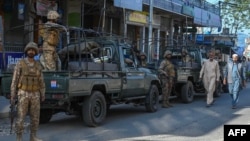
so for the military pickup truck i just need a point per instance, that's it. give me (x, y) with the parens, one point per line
(187, 84)
(95, 74)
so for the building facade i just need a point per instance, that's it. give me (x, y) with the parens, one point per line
(172, 21)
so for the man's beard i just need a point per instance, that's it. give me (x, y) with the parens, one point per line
(30, 55)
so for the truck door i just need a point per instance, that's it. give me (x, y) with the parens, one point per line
(133, 81)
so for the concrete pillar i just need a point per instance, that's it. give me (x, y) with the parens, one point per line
(125, 23)
(171, 30)
(158, 45)
(143, 38)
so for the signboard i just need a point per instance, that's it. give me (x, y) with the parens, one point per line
(10, 58)
(21, 7)
(129, 4)
(74, 13)
(137, 17)
(43, 6)
(188, 10)
(214, 20)
(201, 16)
(206, 18)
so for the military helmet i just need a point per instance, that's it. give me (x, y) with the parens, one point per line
(184, 50)
(217, 51)
(52, 15)
(31, 45)
(167, 52)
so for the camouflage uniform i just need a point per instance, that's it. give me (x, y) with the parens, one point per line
(143, 61)
(29, 88)
(51, 35)
(186, 57)
(167, 74)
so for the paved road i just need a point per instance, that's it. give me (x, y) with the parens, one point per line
(183, 122)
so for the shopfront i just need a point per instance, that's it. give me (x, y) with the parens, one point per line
(27, 15)
(136, 29)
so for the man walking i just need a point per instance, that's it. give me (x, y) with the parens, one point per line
(167, 74)
(210, 72)
(29, 88)
(234, 75)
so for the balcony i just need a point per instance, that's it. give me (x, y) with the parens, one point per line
(176, 6)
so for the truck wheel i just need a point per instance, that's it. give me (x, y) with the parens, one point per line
(152, 99)
(94, 109)
(187, 92)
(45, 116)
(217, 91)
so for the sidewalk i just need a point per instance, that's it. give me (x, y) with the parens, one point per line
(4, 107)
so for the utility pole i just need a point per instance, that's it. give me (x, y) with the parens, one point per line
(150, 30)
(103, 17)
(125, 25)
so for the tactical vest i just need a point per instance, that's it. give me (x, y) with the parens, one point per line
(169, 68)
(52, 36)
(29, 79)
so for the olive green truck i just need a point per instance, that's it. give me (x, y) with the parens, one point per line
(94, 74)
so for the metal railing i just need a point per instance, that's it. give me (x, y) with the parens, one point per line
(176, 5)
(14, 47)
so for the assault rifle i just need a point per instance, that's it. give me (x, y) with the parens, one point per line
(13, 114)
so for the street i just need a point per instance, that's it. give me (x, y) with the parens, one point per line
(183, 122)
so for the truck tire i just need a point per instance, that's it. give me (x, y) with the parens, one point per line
(187, 92)
(152, 99)
(94, 109)
(45, 116)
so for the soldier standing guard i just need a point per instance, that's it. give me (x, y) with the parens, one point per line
(29, 88)
(51, 35)
(167, 74)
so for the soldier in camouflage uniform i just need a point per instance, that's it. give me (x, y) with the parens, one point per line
(143, 59)
(51, 35)
(185, 56)
(29, 88)
(167, 74)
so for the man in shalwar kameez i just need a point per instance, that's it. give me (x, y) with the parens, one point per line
(234, 75)
(210, 72)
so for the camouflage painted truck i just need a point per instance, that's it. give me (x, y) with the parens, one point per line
(95, 74)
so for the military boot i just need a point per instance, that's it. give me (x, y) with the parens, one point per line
(19, 137)
(170, 105)
(164, 104)
(34, 138)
